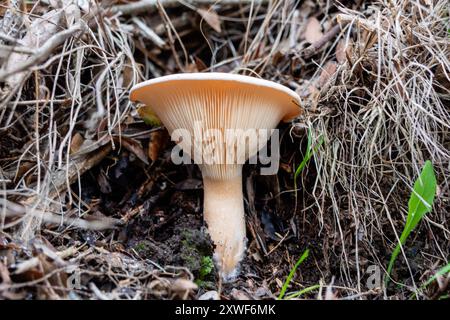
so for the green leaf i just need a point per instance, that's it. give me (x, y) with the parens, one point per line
(149, 116)
(422, 197)
(291, 274)
(420, 202)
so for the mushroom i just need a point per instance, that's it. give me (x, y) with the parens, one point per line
(191, 104)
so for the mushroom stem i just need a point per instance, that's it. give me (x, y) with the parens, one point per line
(224, 215)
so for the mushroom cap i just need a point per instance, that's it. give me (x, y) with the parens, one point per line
(217, 104)
(146, 92)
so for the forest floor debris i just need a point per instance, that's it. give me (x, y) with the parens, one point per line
(110, 217)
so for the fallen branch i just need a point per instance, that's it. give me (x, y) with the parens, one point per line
(11, 210)
(42, 53)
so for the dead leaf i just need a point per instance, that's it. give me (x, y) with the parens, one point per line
(156, 143)
(191, 68)
(38, 33)
(313, 31)
(257, 257)
(23, 169)
(189, 184)
(278, 57)
(239, 294)
(314, 95)
(369, 38)
(71, 12)
(127, 74)
(44, 263)
(132, 146)
(103, 182)
(211, 17)
(286, 167)
(328, 71)
(183, 287)
(209, 295)
(201, 66)
(340, 51)
(57, 280)
(76, 143)
(261, 292)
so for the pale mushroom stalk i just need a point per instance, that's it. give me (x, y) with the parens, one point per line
(219, 102)
(223, 211)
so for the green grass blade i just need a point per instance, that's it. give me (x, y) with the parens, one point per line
(291, 274)
(419, 204)
(301, 292)
(441, 272)
(306, 157)
(309, 153)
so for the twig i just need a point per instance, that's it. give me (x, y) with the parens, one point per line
(316, 46)
(17, 210)
(8, 38)
(57, 257)
(149, 33)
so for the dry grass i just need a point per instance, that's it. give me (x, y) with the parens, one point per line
(375, 87)
(384, 113)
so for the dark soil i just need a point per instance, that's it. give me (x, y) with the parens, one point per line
(169, 228)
